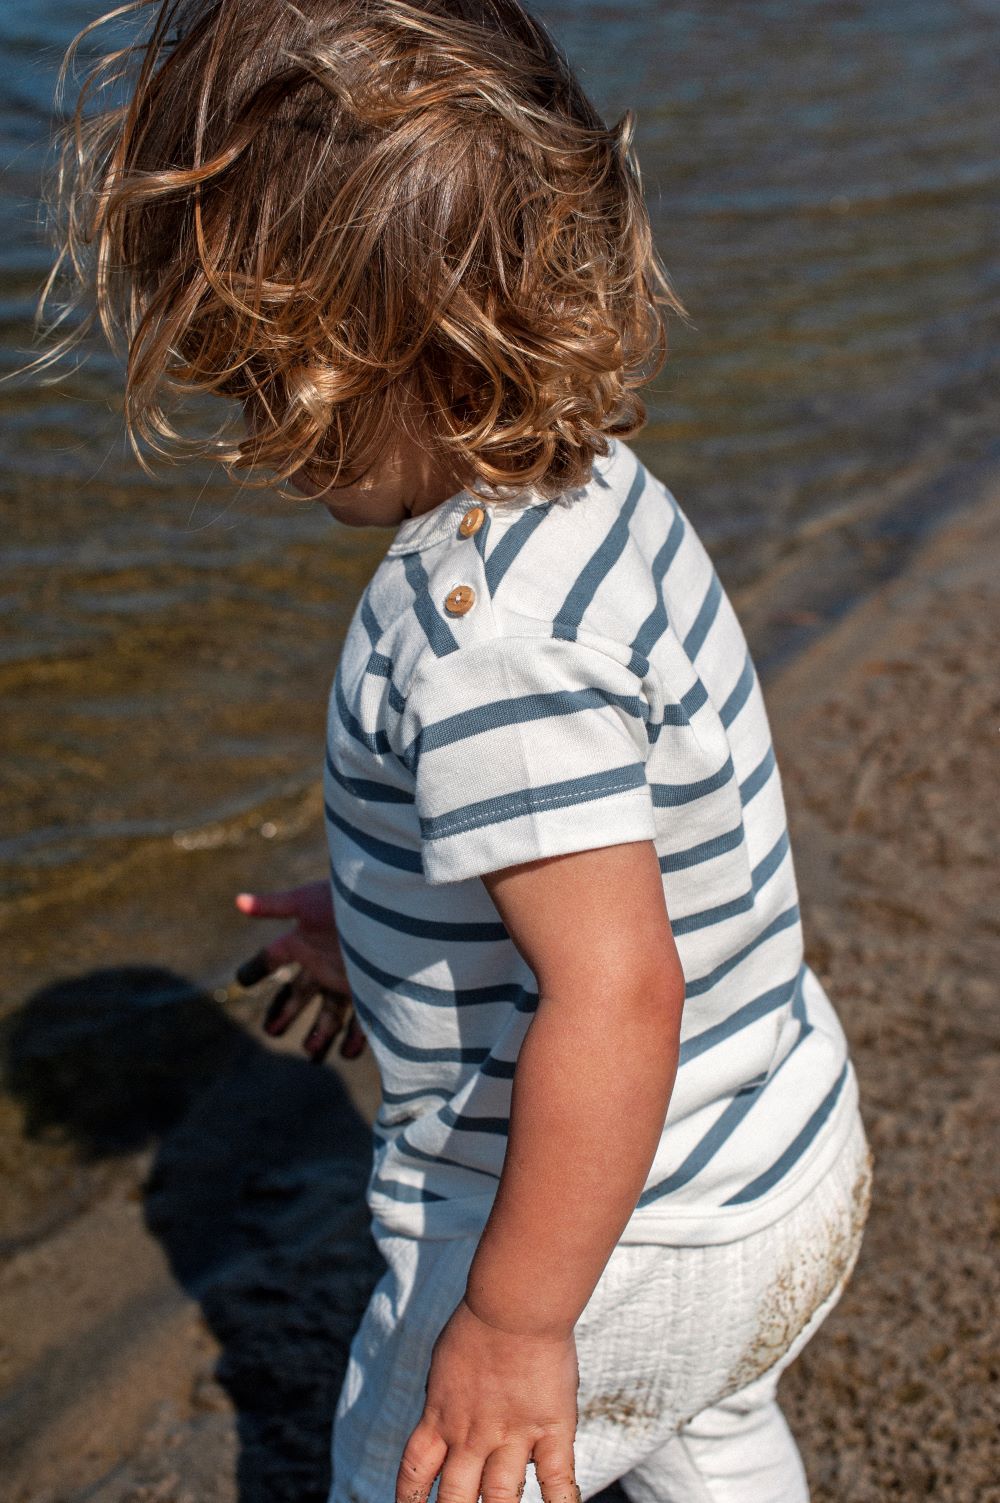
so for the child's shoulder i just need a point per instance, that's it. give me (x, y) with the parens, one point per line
(575, 567)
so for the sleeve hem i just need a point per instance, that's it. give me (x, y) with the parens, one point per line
(473, 853)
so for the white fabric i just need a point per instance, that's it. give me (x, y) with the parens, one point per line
(679, 1350)
(599, 690)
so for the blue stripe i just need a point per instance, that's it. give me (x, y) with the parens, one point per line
(392, 1189)
(702, 984)
(391, 855)
(511, 543)
(672, 795)
(705, 850)
(694, 698)
(638, 665)
(657, 622)
(719, 1133)
(401, 1098)
(702, 623)
(489, 811)
(707, 1147)
(680, 713)
(519, 710)
(755, 780)
(435, 628)
(400, 1144)
(719, 912)
(403, 1050)
(739, 694)
(396, 701)
(500, 1069)
(504, 993)
(479, 538)
(370, 620)
(761, 1007)
(574, 607)
(495, 1126)
(673, 715)
(381, 666)
(768, 865)
(482, 932)
(795, 1149)
(366, 788)
(375, 741)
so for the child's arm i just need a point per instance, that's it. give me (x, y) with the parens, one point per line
(592, 1083)
(591, 1089)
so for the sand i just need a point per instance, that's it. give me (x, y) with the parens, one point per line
(175, 1323)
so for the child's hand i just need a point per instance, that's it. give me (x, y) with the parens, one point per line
(495, 1400)
(313, 944)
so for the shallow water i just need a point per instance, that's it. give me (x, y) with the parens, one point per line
(823, 182)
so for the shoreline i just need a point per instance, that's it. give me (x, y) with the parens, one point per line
(170, 1261)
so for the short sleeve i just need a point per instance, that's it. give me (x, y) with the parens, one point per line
(524, 747)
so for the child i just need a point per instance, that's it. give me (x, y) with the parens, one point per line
(620, 1175)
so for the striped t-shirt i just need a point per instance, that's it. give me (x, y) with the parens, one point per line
(569, 674)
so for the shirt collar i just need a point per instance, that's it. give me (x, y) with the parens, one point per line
(416, 533)
(429, 527)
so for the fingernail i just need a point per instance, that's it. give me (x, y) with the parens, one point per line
(254, 969)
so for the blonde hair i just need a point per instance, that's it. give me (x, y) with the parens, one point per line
(342, 212)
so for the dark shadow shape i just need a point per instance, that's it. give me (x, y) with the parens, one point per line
(256, 1191)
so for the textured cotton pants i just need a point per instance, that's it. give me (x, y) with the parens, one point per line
(679, 1352)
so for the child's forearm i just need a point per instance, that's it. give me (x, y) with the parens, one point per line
(591, 1089)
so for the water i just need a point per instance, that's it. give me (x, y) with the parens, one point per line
(823, 183)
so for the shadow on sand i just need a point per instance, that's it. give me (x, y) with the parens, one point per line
(256, 1191)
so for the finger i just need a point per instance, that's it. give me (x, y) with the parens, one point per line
(283, 1009)
(354, 1041)
(254, 969)
(327, 1024)
(280, 904)
(422, 1457)
(554, 1467)
(461, 1477)
(504, 1474)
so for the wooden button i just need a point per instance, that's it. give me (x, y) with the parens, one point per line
(461, 599)
(472, 521)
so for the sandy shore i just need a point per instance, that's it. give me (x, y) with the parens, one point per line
(176, 1329)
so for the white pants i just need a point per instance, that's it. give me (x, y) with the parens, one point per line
(679, 1351)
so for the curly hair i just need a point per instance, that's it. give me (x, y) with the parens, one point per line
(344, 212)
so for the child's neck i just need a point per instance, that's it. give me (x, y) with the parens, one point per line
(409, 483)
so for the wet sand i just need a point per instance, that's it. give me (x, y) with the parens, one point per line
(187, 1247)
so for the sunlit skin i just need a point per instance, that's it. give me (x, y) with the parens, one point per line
(593, 926)
(408, 483)
(409, 480)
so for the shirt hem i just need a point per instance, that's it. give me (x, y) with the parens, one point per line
(675, 1226)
